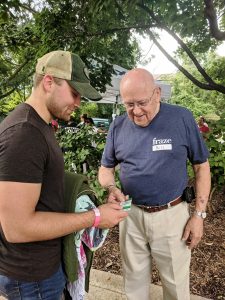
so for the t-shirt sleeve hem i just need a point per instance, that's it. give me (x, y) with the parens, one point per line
(108, 165)
(197, 162)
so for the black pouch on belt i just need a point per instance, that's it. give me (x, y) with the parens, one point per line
(188, 194)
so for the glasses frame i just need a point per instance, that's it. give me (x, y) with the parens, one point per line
(139, 103)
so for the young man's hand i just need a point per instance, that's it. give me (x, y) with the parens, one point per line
(111, 214)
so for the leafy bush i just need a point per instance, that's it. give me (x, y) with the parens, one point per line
(215, 142)
(216, 146)
(82, 150)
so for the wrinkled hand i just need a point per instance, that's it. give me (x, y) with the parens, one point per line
(115, 195)
(193, 231)
(111, 214)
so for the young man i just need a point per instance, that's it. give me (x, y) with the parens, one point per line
(151, 144)
(32, 214)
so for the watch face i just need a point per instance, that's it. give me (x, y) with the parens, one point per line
(204, 215)
(201, 214)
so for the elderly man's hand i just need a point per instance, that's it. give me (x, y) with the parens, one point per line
(193, 231)
(115, 195)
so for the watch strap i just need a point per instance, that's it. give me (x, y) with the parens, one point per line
(201, 214)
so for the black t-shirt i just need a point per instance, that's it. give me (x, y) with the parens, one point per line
(30, 153)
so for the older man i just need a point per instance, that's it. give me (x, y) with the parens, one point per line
(32, 218)
(152, 143)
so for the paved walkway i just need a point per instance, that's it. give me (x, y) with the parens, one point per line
(107, 286)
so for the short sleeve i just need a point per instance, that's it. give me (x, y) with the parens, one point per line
(108, 157)
(23, 154)
(197, 150)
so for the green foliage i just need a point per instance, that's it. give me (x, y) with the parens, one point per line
(205, 103)
(199, 101)
(215, 142)
(100, 31)
(8, 104)
(216, 146)
(190, 170)
(95, 110)
(83, 147)
(174, 14)
(215, 67)
(26, 34)
(91, 109)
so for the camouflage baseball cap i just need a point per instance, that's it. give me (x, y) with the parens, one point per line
(68, 66)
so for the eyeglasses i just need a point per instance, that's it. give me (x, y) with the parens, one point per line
(139, 104)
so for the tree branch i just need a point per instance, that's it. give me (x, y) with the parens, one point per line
(210, 14)
(111, 30)
(205, 86)
(15, 87)
(181, 43)
(156, 22)
(28, 8)
(16, 72)
(7, 94)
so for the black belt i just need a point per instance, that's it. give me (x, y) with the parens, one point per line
(151, 209)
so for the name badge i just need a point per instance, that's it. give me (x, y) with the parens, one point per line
(162, 147)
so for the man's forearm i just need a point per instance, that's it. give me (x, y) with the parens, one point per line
(107, 180)
(202, 185)
(106, 177)
(41, 226)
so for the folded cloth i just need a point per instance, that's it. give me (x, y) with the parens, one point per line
(75, 186)
(93, 238)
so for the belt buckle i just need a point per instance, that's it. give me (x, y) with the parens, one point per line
(154, 208)
(148, 207)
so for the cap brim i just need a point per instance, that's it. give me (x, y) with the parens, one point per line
(85, 90)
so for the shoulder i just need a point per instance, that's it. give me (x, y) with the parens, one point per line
(23, 139)
(120, 120)
(22, 130)
(178, 114)
(23, 113)
(119, 125)
(177, 110)
(23, 123)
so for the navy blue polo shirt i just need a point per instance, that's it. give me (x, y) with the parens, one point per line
(153, 159)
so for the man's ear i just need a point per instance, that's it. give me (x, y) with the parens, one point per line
(158, 93)
(47, 82)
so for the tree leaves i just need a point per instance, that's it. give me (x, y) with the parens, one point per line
(69, 25)
(100, 31)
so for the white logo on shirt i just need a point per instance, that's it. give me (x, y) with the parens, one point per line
(161, 144)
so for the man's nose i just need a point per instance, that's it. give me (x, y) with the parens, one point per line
(136, 109)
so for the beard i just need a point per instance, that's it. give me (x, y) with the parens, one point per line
(57, 111)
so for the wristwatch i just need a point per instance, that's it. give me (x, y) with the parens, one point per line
(201, 214)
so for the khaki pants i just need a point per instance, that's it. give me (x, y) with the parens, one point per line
(144, 236)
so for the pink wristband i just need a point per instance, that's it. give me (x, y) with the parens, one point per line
(97, 217)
